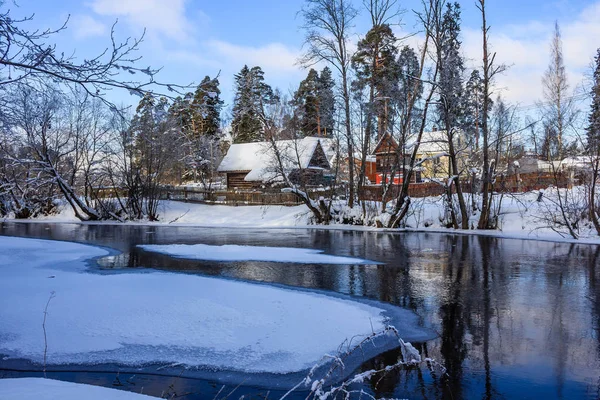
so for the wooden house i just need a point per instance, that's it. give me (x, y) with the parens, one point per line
(432, 157)
(255, 165)
(387, 160)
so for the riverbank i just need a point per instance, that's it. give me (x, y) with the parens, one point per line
(521, 217)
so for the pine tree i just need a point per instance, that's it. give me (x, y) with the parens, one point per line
(154, 154)
(182, 113)
(450, 107)
(593, 129)
(451, 71)
(307, 103)
(252, 95)
(472, 118)
(593, 145)
(314, 103)
(325, 86)
(376, 71)
(206, 108)
(408, 70)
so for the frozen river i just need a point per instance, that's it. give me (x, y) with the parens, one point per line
(514, 318)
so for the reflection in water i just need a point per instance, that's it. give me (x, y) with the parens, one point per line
(516, 319)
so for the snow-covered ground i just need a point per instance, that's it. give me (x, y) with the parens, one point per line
(250, 253)
(49, 389)
(180, 213)
(157, 317)
(522, 217)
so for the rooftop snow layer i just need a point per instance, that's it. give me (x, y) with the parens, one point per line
(259, 158)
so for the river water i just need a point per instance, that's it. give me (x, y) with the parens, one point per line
(515, 318)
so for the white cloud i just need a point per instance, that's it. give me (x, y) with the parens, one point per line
(525, 49)
(85, 26)
(159, 17)
(273, 56)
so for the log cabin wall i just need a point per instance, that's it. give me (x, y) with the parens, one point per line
(236, 180)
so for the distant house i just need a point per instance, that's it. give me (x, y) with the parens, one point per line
(432, 157)
(254, 165)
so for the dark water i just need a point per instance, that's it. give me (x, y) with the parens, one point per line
(516, 319)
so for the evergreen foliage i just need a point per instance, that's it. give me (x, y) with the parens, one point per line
(251, 97)
(451, 70)
(593, 129)
(377, 70)
(314, 104)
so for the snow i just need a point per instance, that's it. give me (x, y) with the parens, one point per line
(133, 318)
(190, 214)
(251, 253)
(522, 217)
(49, 389)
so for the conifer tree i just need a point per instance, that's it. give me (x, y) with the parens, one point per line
(408, 85)
(206, 108)
(307, 102)
(593, 129)
(593, 144)
(450, 107)
(155, 151)
(472, 118)
(326, 95)
(314, 103)
(251, 98)
(375, 64)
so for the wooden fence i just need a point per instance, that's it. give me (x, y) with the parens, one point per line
(522, 183)
(237, 197)
(507, 184)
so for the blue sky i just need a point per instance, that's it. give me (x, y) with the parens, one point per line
(194, 38)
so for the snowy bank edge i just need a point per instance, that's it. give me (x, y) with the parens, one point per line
(42, 388)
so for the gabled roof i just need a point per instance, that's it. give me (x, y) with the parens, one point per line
(435, 142)
(386, 144)
(258, 159)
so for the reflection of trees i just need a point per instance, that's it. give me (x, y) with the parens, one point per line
(594, 296)
(487, 315)
(499, 305)
(453, 348)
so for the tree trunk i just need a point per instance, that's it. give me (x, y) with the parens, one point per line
(486, 192)
(349, 140)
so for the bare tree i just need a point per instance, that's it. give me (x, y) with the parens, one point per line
(490, 70)
(327, 24)
(558, 116)
(30, 55)
(287, 161)
(47, 146)
(406, 165)
(558, 111)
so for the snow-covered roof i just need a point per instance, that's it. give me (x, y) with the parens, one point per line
(577, 162)
(434, 142)
(259, 158)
